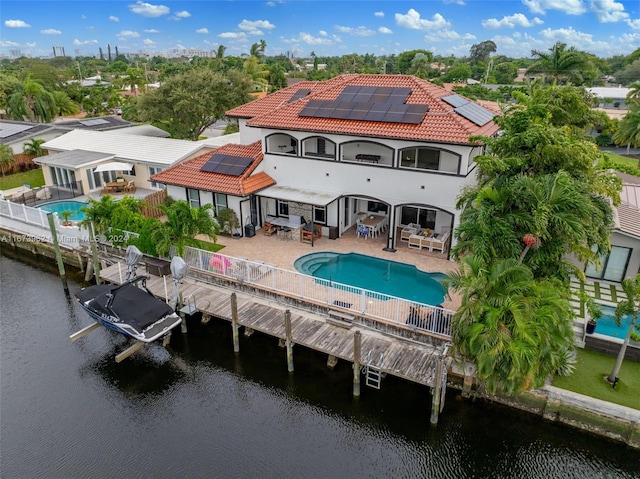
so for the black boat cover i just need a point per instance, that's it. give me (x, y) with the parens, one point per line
(132, 305)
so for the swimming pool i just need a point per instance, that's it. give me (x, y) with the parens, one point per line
(59, 206)
(375, 274)
(607, 326)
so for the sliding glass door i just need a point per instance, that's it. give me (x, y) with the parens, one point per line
(614, 266)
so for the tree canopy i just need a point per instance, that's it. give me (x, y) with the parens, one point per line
(560, 64)
(187, 103)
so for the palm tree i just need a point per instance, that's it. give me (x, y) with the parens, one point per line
(634, 91)
(33, 102)
(629, 129)
(628, 307)
(516, 329)
(220, 56)
(6, 157)
(183, 224)
(34, 147)
(560, 63)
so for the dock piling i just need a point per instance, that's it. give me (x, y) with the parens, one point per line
(357, 345)
(288, 340)
(56, 245)
(234, 323)
(94, 252)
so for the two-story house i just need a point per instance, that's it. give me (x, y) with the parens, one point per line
(353, 146)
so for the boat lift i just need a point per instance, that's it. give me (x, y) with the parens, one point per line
(132, 256)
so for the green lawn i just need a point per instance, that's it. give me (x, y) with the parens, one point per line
(588, 379)
(34, 177)
(625, 160)
(205, 245)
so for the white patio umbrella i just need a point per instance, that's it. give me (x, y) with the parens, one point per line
(114, 166)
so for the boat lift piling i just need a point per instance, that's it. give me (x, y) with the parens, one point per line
(137, 346)
(83, 332)
(357, 347)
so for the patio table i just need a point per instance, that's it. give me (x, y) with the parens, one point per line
(373, 223)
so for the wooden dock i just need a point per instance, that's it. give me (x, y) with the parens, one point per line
(411, 360)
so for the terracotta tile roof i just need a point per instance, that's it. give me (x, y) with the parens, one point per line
(441, 123)
(189, 175)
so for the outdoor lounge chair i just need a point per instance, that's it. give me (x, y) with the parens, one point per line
(440, 242)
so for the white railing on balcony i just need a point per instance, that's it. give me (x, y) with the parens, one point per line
(350, 299)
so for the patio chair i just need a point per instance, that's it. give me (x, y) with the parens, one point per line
(362, 230)
(130, 187)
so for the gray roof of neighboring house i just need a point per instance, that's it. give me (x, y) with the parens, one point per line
(152, 150)
(73, 159)
(12, 131)
(628, 211)
(101, 123)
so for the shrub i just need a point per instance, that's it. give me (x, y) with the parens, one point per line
(22, 166)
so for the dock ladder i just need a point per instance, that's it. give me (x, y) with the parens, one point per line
(373, 374)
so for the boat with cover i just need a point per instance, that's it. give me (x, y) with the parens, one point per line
(129, 309)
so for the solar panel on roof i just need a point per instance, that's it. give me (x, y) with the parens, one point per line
(399, 95)
(475, 113)
(455, 100)
(301, 93)
(93, 122)
(227, 164)
(10, 129)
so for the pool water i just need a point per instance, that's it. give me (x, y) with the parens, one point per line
(59, 206)
(375, 274)
(607, 323)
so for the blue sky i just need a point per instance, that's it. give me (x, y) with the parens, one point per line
(334, 28)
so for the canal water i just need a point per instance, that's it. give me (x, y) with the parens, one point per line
(196, 410)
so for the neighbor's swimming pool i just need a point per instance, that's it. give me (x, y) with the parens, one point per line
(375, 274)
(607, 324)
(59, 206)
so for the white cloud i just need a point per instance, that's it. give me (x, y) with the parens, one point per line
(202, 30)
(608, 11)
(311, 40)
(51, 31)
(148, 10)
(456, 2)
(84, 42)
(413, 21)
(16, 24)
(271, 4)
(8, 44)
(379, 14)
(570, 7)
(233, 35)
(147, 41)
(511, 21)
(151, 30)
(128, 34)
(180, 15)
(249, 26)
(113, 18)
(385, 30)
(448, 35)
(356, 32)
(322, 33)
(635, 24)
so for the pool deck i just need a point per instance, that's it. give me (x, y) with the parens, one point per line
(283, 253)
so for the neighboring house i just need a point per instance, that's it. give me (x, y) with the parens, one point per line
(381, 145)
(610, 97)
(624, 259)
(74, 157)
(16, 133)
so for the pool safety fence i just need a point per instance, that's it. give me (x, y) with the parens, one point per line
(351, 299)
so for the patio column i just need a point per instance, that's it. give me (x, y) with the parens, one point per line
(391, 232)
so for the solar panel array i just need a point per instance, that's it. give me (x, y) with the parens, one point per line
(227, 164)
(301, 93)
(470, 110)
(10, 129)
(366, 103)
(96, 121)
